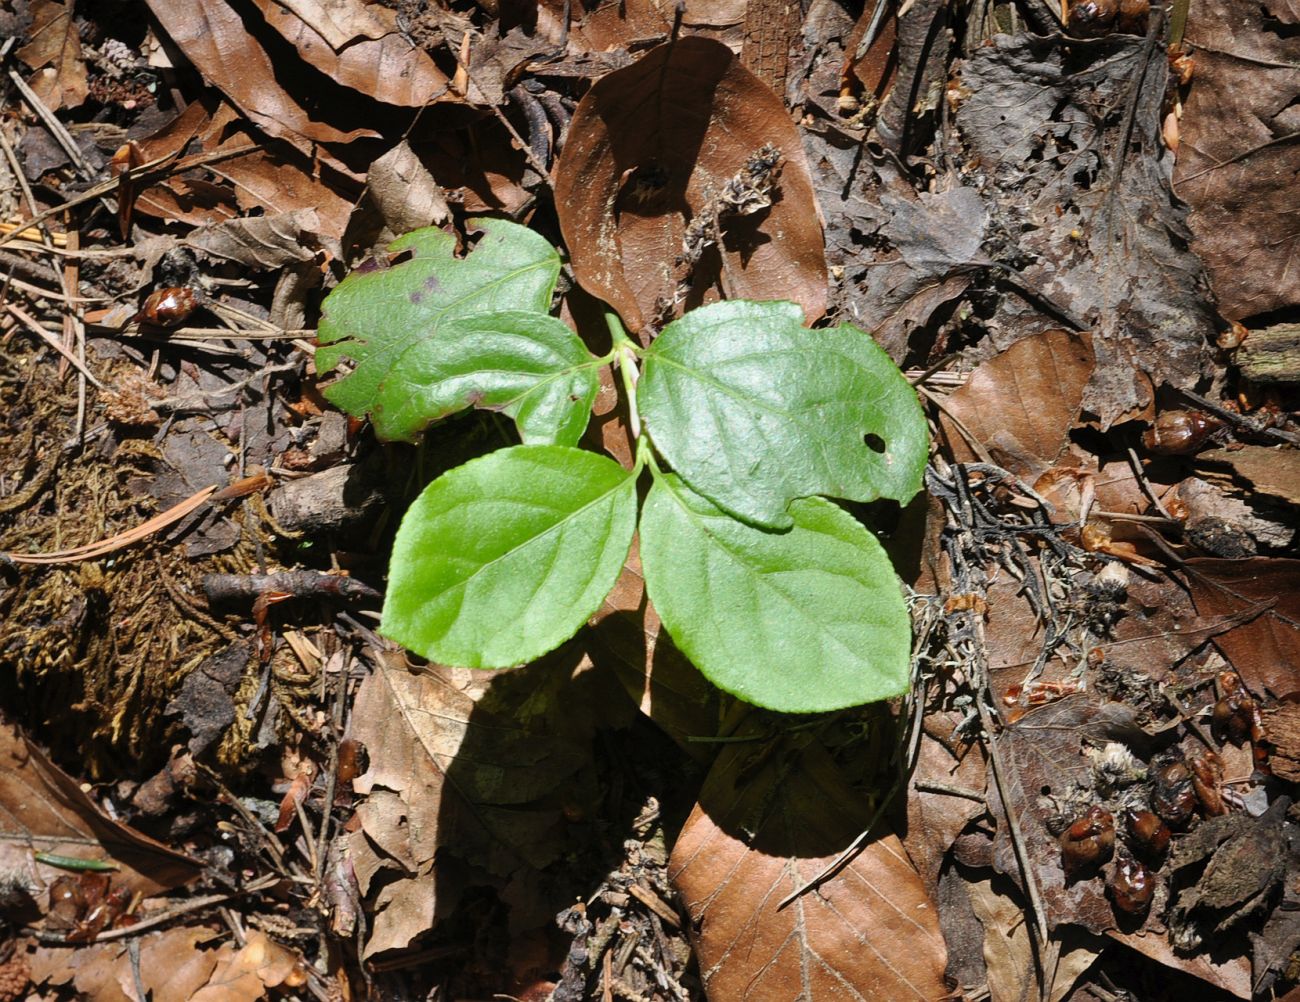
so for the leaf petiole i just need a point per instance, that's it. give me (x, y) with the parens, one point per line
(626, 354)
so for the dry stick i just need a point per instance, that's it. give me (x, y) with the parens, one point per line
(976, 446)
(60, 134)
(152, 921)
(154, 170)
(1147, 489)
(332, 778)
(35, 327)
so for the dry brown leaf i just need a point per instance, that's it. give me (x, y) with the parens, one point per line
(934, 820)
(46, 809)
(172, 966)
(1009, 952)
(55, 53)
(215, 39)
(471, 765)
(1266, 650)
(651, 148)
(1238, 157)
(1022, 403)
(1043, 756)
(268, 243)
(1273, 471)
(769, 819)
(1231, 974)
(259, 964)
(401, 195)
(360, 47)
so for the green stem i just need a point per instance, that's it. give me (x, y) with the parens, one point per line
(626, 353)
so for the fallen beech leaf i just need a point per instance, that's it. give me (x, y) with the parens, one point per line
(360, 47)
(404, 193)
(1043, 756)
(55, 53)
(1022, 403)
(216, 40)
(260, 964)
(934, 820)
(172, 966)
(477, 767)
(1235, 167)
(45, 807)
(650, 150)
(760, 831)
(1266, 650)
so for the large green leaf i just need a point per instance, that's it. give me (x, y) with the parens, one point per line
(390, 322)
(804, 620)
(753, 410)
(504, 558)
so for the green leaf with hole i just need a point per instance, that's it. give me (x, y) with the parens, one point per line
(753, 410)
(402, 327)
(503, 559)
(803, 620)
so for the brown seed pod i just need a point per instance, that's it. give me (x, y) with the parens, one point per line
(1148, 834)
(1131, 886)
(1178, 433)
(1172, 796)
(169, 307)
(1088, 842)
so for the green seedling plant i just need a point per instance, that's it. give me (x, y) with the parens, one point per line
(745, 423)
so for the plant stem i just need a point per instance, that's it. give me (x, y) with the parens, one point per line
(626, 353)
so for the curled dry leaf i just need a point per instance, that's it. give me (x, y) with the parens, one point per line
(41, 802)
(645, 172)
(359, 46)
(761, 830)
(216, 40)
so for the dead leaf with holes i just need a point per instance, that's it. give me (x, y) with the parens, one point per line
(667, 195)
(769, 819)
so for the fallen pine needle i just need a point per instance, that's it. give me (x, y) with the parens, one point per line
(123, 539)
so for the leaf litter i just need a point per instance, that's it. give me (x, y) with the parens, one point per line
(1103, 626)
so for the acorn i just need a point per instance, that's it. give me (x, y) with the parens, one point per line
(1088, 842)
(1179, 433)
(1131, 886)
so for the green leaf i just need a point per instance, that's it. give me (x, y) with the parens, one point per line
(800, 621)
(390, 322)
(503, 559)
(753, 410)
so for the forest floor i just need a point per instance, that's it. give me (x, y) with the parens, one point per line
(1074, 230)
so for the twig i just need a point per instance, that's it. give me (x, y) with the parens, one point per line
(159, 918)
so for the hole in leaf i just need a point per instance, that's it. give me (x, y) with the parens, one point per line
(875, 443)
(1046, 791)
